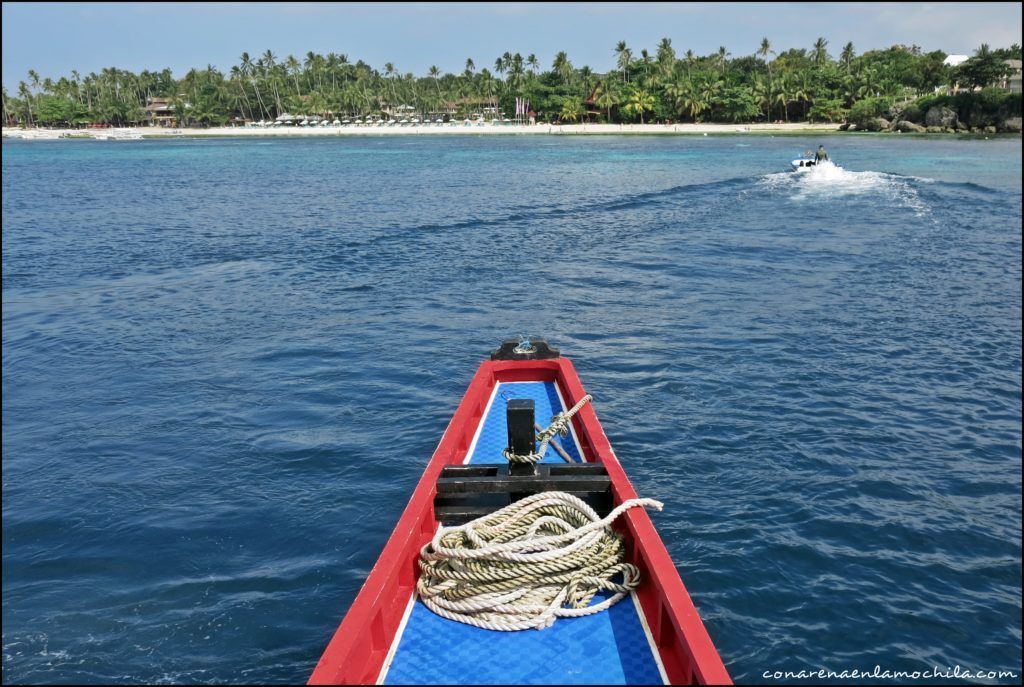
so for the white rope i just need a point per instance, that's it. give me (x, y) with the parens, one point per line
(559, 425)
(538, 559)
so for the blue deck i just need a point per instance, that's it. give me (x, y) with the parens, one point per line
(606, 648)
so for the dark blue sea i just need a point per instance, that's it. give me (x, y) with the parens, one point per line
(226, 363)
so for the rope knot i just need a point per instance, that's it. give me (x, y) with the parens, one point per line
(559, 425)
(532, 458)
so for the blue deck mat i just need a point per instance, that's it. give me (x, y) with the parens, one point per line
(494, 436)
(605, 648)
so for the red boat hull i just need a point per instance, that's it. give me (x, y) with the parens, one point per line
(359, 647)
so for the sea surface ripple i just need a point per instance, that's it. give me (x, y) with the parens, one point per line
(226, 363)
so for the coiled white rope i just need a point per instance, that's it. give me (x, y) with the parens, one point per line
(519, 567)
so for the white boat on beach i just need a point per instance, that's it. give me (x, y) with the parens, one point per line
(117, 135)
(34, 134)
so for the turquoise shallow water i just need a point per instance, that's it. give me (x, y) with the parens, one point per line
(226, 362)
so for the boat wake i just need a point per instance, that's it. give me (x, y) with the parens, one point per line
(828, 180)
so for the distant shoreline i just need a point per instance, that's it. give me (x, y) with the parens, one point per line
(433, 130)
(788, 129)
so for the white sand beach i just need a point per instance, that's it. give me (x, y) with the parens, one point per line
(424, 130)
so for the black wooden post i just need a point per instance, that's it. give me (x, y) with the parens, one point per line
(522, 438)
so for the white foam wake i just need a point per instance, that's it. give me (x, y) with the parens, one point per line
(828, 180)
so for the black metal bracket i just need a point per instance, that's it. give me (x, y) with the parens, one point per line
(465, 492)
(522, 438)
(541, 350)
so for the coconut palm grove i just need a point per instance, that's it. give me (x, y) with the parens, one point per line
(664, 85)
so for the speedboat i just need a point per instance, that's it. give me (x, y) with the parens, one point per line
(803, 164)
(413, 620)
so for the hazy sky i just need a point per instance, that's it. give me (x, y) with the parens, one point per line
(55, 38)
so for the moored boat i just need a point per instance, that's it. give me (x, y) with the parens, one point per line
(390, 635)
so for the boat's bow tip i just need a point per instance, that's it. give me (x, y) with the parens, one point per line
(525, 349)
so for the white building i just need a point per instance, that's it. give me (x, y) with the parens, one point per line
(955, 60)
(1012, 82)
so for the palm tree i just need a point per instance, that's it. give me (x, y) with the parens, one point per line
(563, 67)
(692, 101)
(802, 89)
(247, 71)
(268, 68)
(434, 73)
(645, 58)
(571, 110)
(625, 55)
(710, 90)
(782, 94)
(665, 57)
(722, 55)
(26, 95)
(820, 55)
(762, 90)
(847, 56)
(389, 71)
(639, 101)
(764, 51)
(607, 98)
(515, 72)
(294, 66)
(867, 83)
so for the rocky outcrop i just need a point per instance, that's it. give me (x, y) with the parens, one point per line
(942, 117)
(876, 124)
(907, 127)
(938, 120)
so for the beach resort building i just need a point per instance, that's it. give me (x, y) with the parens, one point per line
(160, 112)
(1012, 82)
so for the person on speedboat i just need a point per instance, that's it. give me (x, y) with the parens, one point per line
(821, 155)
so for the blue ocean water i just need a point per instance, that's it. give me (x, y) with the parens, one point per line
(226, 362)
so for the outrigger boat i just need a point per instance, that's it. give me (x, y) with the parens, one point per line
(390, 635)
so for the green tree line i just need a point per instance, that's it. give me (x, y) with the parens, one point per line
(803, 84)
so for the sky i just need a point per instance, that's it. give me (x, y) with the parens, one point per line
(54, 38)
